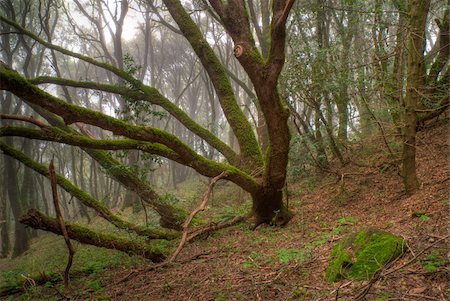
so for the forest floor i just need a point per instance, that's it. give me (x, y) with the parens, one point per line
(289, 263)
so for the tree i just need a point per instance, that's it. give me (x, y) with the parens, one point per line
(262, 174)
(416, 75)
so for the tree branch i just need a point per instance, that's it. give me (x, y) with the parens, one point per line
(29, 119)
(201, 165)
(275, 62)
(62, 224)
(238, 122)
(153, 96)
(15, 83)
(87, 199)
(191, 216)
(150, 250)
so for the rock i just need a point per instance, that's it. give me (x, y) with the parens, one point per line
(360, 255)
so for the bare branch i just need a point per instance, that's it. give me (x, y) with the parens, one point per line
(29, 119)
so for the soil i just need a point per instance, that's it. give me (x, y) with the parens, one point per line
(289, 263)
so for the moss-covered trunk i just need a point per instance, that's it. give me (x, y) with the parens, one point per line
(153, 250)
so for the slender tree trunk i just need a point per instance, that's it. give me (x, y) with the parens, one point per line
(415, 87)
(10, 181)
(4, 231)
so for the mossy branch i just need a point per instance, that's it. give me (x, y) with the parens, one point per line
(217, 74)
(120, 73)
(153, 250)
(15, 83)
(171, 216)
(202, 165)
(87, 199)
(57, 135)
(153, 96)
(238, 122)
(150, 92)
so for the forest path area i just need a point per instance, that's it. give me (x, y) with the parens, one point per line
(289, 263)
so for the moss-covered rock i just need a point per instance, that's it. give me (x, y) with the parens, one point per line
(360, 255)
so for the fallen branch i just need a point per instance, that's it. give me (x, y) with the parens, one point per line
(62, 225)
(191, 216)
(150, 250)
(186, 237)
(414, 258)
(214, 227)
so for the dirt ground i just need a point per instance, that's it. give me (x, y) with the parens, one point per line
(289, 263)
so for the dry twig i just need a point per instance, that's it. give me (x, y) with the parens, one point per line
(52, 175)
(191, 216)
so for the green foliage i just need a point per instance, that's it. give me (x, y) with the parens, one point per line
(383, 297)
(130, 65)
(136, 111)
(301, 164)
(300, 293)
(424, 217)
(170, 198)
(360, 255)
(432, 263)
(47, 258)
(94, 267)
(221, 296)
(347, 220)
(257, 259)
(287, 255)
(96, 286)
(167, 286)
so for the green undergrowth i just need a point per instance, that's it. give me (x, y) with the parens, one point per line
(47, 258)
(433, 262)
(286, 255)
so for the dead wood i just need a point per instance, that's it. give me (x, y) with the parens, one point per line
(62, 224)
(214, 227)
(29, 119)
(201, 207)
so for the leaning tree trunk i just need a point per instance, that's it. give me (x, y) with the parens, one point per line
(152, 250)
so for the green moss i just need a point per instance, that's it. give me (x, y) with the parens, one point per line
(360, 255)
(340, 259)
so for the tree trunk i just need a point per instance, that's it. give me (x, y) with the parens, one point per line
(4, 237)
(10, 182)
(416, 80)
(268, 207)
(37, 220)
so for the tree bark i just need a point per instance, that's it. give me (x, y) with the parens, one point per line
(268, 207)
(35, 219)
(415, 86)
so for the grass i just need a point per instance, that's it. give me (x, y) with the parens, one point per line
(47, 258)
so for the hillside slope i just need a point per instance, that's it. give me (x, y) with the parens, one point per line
(288, 263)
